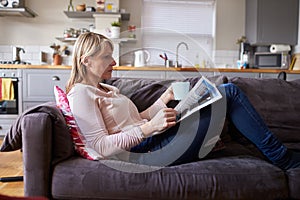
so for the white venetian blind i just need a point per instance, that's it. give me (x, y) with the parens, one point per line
(168, 22)
(190, 17)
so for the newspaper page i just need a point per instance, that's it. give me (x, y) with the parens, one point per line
(202, 94)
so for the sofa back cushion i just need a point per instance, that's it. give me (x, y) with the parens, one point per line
(144, 92)
(278, 103)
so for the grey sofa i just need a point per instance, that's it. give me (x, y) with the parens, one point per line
(238, 171)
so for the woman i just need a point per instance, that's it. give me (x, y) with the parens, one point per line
(111, 123)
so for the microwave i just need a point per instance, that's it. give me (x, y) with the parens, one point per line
(271, 60)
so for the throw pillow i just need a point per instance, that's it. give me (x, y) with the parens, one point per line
(78, 139)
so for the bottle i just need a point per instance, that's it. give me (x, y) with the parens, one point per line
(245, 60)
(197, 64)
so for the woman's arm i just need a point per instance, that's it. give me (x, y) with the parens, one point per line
(86, 108)
(164, 119)
(161, 103)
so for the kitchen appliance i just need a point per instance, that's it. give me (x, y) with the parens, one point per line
(10, 109)
(141, 57)
(15, 8)
(271, 60)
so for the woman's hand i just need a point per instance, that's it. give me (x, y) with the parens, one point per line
(164, 119)
(168, 95)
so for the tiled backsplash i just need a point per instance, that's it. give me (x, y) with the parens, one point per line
(222, 58)
(32, 54)
(225, 58)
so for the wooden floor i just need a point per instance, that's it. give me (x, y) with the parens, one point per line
(11, 165)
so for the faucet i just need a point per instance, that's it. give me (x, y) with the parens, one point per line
(16, 54)
(178, 45)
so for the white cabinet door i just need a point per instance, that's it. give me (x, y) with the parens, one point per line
(38, 84)
(5, 125)
(183, 75)
(143, 74)
(240, 74)
(289, 77)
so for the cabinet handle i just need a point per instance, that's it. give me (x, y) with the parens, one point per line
(55, 78)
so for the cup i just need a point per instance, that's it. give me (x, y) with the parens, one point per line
(180, 89)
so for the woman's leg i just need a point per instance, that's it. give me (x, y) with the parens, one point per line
(245, 118)
(182, 142)
(250, 124)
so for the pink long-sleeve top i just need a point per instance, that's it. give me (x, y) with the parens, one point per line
(109, 121)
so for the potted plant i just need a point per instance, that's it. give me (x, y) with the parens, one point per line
(115, 29)
(57, 53)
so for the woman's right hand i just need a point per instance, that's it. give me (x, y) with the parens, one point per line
(164, 119)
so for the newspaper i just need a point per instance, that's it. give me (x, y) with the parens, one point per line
(202, 94)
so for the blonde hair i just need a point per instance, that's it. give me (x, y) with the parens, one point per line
(87, 44)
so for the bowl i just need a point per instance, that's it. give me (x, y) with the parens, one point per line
(80, 7)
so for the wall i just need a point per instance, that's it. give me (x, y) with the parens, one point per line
(51, 22)
(41, 30)
(230, 23)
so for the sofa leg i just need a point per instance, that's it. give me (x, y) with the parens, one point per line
(11, 179)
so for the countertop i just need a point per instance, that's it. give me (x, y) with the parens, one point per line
(155, 68)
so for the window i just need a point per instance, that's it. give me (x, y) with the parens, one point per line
(166, 23)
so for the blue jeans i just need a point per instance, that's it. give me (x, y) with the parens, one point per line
(239, 110)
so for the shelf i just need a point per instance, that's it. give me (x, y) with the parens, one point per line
(115, 40)
(88, 14)
(66, 40)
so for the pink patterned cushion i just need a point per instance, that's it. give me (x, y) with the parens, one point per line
(78, 139)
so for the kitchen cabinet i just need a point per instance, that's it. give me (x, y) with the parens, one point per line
(165, 74)
(5, 125)
(272, 22)
(289, 77)
(184, 75)
(38, 85)
(178, 74)
(139, 74)
(239, 74)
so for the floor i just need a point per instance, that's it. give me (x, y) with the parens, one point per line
(11, 165)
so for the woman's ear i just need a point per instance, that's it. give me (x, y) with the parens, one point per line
(86, 61)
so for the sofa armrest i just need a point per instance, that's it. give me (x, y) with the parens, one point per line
(37, 148)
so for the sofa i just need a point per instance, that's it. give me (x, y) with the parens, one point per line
(237, 170)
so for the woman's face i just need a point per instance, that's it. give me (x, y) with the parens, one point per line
(101, 65)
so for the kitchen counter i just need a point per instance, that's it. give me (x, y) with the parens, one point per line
(155, 68)
(11, 66)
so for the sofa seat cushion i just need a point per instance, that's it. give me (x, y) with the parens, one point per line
(237, 177)
(294, 182)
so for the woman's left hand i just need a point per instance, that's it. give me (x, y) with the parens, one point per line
(168, 95)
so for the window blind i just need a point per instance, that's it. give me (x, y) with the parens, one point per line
(165, 23)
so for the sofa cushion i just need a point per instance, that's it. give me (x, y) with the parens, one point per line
(238, 177)
(78, 139)
(277, 101)
(294, 183)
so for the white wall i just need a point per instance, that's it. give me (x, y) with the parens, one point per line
(51, 22)
(230, 23)
(41, 30)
